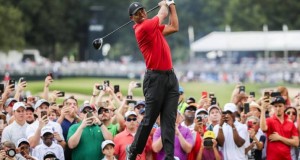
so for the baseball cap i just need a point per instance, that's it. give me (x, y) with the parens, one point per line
(231, 107)
(49, 155)
(30, 108)
(191, 100)
(140, 103)
(134, 7)
(254, 105)
(84, 106)
(209, 134)
(212, 107)
(277, 99)
(191, 106)
(22, 140)
(129, 113)
(9, 100)
(106, 142)
(46, 129)
(17, 105)
(40, 102)
(201, 110)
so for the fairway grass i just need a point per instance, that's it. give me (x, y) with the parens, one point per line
(84, 86)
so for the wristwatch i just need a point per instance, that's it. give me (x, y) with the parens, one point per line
(100, 124)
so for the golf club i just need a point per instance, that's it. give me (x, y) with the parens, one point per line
(97, 43)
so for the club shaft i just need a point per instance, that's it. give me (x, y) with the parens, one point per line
(127, 23)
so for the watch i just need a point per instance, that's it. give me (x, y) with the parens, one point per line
(100, 124)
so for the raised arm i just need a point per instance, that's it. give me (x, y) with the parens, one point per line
(173, 25)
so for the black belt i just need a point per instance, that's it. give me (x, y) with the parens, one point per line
(160, 71)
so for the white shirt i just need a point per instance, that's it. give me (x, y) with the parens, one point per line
(40, 150)
(14, 132)
(230, 150)
(30, 131)
(190, 127)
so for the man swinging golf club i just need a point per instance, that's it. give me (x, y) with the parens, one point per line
(160, 85)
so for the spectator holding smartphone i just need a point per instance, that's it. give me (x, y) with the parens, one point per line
(281, 132)
(232, 136)
(85, 138)
(209, 149)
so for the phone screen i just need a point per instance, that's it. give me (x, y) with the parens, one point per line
(116, 88)
(43, 113)
(204, 94)
(246, 108)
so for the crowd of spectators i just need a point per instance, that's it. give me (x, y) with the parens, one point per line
(248, 127)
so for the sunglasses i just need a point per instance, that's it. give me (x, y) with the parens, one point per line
(130, 119)
(139, 107)
(103, 110)
(190, 110)
(289, 113)
(86, 111)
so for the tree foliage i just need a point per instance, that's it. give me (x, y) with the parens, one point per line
(58, 28)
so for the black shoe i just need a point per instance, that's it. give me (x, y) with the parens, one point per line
(129, 154)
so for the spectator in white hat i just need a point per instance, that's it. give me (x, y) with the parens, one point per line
(24, 150)
(108, 150)
(232, 136)
(47, 145)
(8, 108)
(214, 116)
(33, 131)
(17, 129)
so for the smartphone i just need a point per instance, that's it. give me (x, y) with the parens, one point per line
(43, 113)
(89, 114)
(267, 94)
(12, 81)
(50, 74)
(131, 102)
(199, 119)
(1, 88)
(213, 101)
(101, 87)
(246, 108)
(242, 89)
(129, 97)
(138, 85)
(25, 99)
(208, 142)
(116, 89)
(106, 83)
(275, 94)
(252, 94)
(61, 94)
(204, 94)
(211, 95)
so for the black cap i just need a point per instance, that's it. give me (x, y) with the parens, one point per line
(191, 100)
(277, 99)
(134, 7)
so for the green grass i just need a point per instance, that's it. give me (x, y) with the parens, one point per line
(194, 89)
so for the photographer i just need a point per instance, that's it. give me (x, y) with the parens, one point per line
(8, 151)
(209, 149)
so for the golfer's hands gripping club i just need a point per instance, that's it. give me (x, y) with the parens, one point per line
(169, 2)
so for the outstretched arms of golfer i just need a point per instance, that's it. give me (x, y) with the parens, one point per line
(168, 7)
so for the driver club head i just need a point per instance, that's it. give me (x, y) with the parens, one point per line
(97, 43)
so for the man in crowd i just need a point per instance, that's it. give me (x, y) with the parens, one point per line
(85, 138)
(30, 115)
(214, 116)
(281, 133)
(189, 115)
(232, 136)
(17, 129)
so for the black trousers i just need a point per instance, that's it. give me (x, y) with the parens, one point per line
(161, 96)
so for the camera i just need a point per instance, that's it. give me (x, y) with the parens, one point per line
(213, 101)
(12, 81)
(11, 152)
(138, 85)
(129, 97)
(208, 142)
(199, 118)
(61, 94)
(252, 94)
(106, 83)
(211, 95)
(116, 89)
(101, 87)
(242, 89)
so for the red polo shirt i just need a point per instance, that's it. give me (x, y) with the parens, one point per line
(125, 138)
(278, 150)
(153, 45)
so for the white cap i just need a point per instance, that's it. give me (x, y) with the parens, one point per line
(46, 129)
(128, 113)
(40, 102)
(17, 105)
(22, 140)
(106, 142)
(212, 107)
(200, 110)
(230, 107)
(9, 100)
